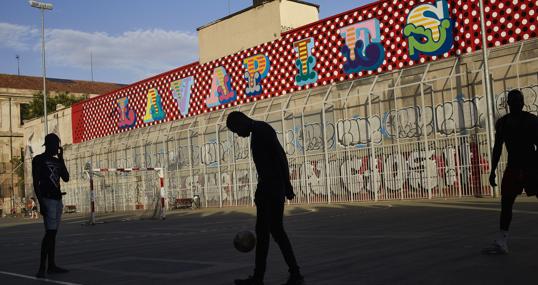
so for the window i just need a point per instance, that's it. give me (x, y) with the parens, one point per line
(24, 111)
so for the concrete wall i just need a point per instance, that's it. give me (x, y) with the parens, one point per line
(293, 15)
(265, 23)
(11, 136)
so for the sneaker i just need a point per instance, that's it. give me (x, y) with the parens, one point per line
(56, 270)
(40, 273)
(502, 241)
(502, 244)
(499, 246)
(249, 281)
(295, 279)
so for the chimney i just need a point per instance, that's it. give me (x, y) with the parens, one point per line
(256, 3)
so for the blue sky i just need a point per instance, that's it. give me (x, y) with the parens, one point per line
(129, 40)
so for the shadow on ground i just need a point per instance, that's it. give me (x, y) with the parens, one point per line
(403, 242)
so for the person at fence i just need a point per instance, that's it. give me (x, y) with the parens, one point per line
(273, 188)
(518, 131)
(47, 169)
(33, 209)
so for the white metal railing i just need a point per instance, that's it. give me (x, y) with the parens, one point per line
(416, 133)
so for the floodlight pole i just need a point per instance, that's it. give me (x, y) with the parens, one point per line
(43, 6)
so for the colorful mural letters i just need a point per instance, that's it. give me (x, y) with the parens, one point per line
(376, 39)
(305, 63)
(127, 115)
(362, 48)
(154, 107)
(257, 67)
(221, 88)
(429, 30)
(181, 91)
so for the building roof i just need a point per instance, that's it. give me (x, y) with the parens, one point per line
(58, 85)
(249, 8)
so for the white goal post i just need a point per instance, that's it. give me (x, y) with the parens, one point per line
(91, 172)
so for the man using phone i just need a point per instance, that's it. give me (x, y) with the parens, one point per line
(273, 188)
(47, 169)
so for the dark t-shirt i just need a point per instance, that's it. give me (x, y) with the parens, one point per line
(46, 172)
(519, 132)
(271, 162)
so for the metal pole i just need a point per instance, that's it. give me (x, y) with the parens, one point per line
(91, 65)
(235, 180)
(18, 65)
(219, 166)
(425, 132)
(489, 93)
(162, 192)
(191, 160)
(325, 147)
(398, 142)
(44, 71)
(11, 154)
(92, 197)
(305, 161)
(369, 137)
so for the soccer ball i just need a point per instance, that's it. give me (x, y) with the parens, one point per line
(244, 241)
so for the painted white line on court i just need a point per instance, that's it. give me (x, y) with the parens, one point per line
(39, 279)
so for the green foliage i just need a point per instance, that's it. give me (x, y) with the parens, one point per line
(35, 108)
(25, 112)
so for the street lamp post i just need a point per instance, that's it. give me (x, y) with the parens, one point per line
(18, 64)
(43, 6)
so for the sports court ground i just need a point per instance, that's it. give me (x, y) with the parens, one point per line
(406, 242)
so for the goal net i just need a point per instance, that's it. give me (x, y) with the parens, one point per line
(140, 190)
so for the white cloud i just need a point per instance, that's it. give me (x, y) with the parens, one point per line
(17, 37)
(140, 53)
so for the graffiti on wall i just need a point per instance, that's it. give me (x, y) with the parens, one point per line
(221, 88)
(181, 91)
(362, 47)
(456, 116)
(212, 152)
(207, 185)
(154, 107)
(429, 30)
(256, 69)
(452, 167)
(359, 131)
(305, 63)
(127, 118)
(309, 139)
(530, 94)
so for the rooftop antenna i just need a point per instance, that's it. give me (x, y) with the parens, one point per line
(91, 63)
(18, 65)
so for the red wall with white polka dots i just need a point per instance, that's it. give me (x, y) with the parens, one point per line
(506, 22)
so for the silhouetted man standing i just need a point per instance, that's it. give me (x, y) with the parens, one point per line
(46, 172)
(273, 187)
(518, 130)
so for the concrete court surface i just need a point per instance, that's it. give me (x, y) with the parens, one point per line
(406, 242)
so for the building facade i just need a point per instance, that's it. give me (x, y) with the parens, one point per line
(16, 92)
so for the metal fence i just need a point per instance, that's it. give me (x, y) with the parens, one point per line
(417, 133)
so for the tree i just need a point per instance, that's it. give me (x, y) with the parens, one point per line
(35, 108)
